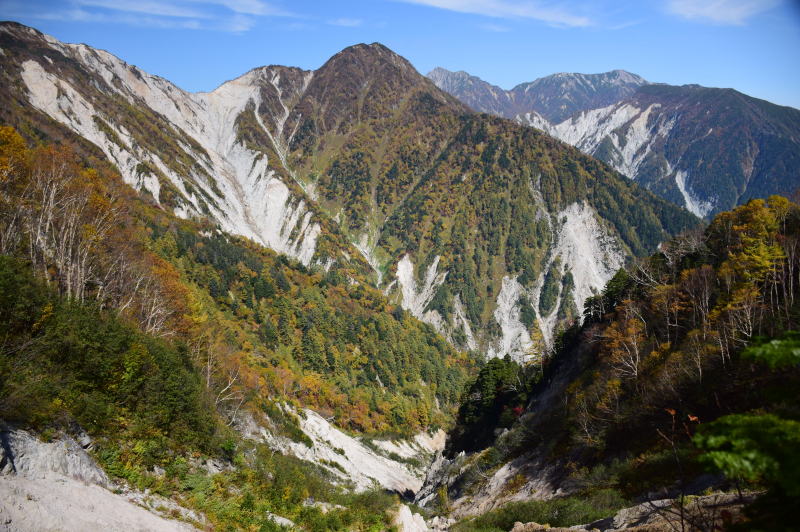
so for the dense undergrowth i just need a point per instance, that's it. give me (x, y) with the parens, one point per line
(145, 405)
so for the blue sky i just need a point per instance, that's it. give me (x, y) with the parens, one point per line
(750, 45)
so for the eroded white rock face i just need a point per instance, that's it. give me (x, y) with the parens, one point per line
(367, 246)
(694, 205)
(416, 298)
(246, 196)
(460, 321)
(358, 463)
(515, 339)
(627, 131)
(587, 250)
(583, 247)
(422, 444)
(24, 455)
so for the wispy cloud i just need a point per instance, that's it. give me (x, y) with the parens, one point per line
(495, 28)
(82, 15)
(164, 9)
(248, 7)
(235, 16)
(731, 12)
(346, 22)
(548, 12)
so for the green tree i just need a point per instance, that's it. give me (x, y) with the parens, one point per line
(761, 448)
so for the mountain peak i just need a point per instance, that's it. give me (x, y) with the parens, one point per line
(613, 77)
(368, 61)
(369, 52)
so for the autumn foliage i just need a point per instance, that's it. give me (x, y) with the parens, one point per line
(667, 333)
(259, 328)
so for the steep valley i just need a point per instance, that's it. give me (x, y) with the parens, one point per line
(341, 299)
(348, 164)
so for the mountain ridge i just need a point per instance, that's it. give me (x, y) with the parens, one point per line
(661, 135)
(350, 166)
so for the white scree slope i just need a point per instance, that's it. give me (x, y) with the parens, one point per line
(248, 198)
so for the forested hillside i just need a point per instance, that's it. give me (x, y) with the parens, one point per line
(157, 335)
(660, 384)
(489, 231)
(465, 216)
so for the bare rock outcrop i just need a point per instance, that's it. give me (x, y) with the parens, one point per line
(57, 485)
(24, 455)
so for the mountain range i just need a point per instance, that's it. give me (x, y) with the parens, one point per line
(706, 149)
(261, 307)
(492, 232)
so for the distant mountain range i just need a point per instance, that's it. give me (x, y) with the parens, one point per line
(703, 148)
(492, 232)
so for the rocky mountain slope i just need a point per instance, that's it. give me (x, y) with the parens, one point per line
(554, 98)
(189, 152)
(703, 148)
(489, 231)
(463, 216)
(57, 485)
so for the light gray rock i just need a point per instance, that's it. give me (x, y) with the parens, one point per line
(63, 503)
(25, 455)
(407, 521)
(281, 521)
(57, 485)
(440, 523)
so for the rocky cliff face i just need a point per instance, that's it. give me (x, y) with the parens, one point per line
(398, 466)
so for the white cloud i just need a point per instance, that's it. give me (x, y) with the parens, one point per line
(546, 12)
(733, 12)
(164, 9)
(237, 24)
(235, 16)
(346, 22)
(81, 15)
